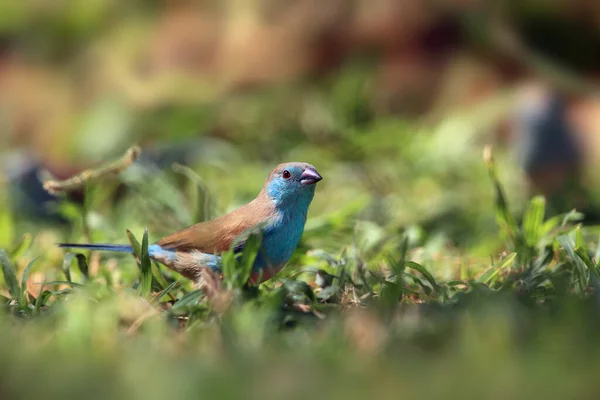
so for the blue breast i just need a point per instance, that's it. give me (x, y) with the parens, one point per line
(280, 240)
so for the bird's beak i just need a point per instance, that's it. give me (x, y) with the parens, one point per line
(310, 177)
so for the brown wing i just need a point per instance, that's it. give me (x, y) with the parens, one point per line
(217, 235)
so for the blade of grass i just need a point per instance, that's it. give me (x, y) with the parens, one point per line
(10, 276)
(251, 248)
(69, 283)
(82, 265)
(22, 296)
(146, 269)
(493, 271)
(164, 292)
(158, 276)
(504, 218)
(42, 298)
(189, 299)
(425, 273)
(582, 271)
(533, 220)
(135, 245)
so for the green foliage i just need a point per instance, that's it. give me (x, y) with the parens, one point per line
(400, 279)
(377, 299)
(10, 277)
(414, 278)
(20, 302)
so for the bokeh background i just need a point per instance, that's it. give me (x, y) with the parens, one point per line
(392, 100)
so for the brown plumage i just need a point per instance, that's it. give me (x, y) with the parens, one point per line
(217, 235)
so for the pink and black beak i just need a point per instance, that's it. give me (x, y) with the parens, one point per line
(310, 176)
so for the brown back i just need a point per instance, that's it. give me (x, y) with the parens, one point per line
(217, 235)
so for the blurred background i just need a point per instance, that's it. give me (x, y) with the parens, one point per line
(393, 101)
(389, 98)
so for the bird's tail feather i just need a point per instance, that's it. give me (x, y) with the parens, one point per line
(121, 248)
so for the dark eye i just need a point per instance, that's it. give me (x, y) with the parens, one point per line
(286, 174)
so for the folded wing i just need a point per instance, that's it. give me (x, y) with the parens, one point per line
(217, 235)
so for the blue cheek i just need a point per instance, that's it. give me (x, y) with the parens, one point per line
(279, 188)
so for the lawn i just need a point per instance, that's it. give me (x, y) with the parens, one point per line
(426, 269)
(442, 285)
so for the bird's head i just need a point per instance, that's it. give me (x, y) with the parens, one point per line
(292, 184)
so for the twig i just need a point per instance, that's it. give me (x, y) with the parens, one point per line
(76, 182)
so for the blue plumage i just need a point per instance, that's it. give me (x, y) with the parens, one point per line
(154, 250)
(119, 248)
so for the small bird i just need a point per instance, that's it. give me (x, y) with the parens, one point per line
(552, 152)
(279, 211)
(547, 142)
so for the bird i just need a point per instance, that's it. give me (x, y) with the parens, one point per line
(552, 152)
(547, 142)
(279, 211)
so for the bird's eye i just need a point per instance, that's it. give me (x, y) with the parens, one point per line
(286, 174)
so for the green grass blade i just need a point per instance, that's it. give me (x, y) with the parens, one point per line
(579, 241)
(572, 216)
(40, 299)
(403, 254)
(146, 268)
(165, 291)
(493, 271)
(158, 276)
(581, 269)
(504, 218)
(82, 265)
(426, 274)
(533, 220)
(68, 283)
(189, 299)
(597, 255)
(251, 248)
(22, 297)
(561, 221)
(135, 245)
(228, 266)
(10, 276)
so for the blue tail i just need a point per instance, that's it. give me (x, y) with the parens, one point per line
(121, 248)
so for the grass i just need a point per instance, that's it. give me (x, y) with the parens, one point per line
(441, 278)
(403, 311)
(424, 270)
